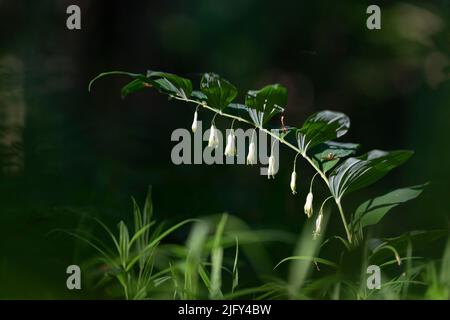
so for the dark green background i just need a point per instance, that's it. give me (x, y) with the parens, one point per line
(87, 153)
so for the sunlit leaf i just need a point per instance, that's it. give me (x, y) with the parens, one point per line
(170, 83)
(357, 173)
(373, 210)
(327, 154)
(238, 109)
(220, 92)
(110, 73)
(200, 96)
(308, 258)
(320, 127)
(265, 103)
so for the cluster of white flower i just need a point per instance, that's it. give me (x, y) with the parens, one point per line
(230, 150)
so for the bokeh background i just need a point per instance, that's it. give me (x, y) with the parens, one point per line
(66, 154)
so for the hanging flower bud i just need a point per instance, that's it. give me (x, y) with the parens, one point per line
(194, 123)
(294, 182)
(309, 205)
(319, 219)
(251, 157)
(213, 141)
(271, 169)
(230, 149)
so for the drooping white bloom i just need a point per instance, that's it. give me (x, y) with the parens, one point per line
(194, 123)
(230, 149)
(319, 219)
(251, 157)
(294, 182)
(213, 141)
(271, 169)
(309, 205)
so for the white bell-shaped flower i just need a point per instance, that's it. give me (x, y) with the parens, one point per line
(194, 123)
(294, 182)
(251, 157)
(319, 219)
(271, 169)
(230, 149)
(213, 141)
(309, 205)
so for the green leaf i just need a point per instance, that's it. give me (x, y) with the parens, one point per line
(238, 106)
(357, 173)
(170, 83)
(390, 248)
(134, 85)
(238, 109)
(165, 82)
(235, 268)
(327, 154)
(124, 240)
(265, 103)
(199, 95)
(419, 239)
(148, 207)
(217, 259)
(320, 127)
(105, 74)
(447, 70)
(373, 210)
(220, 92)
(308, 258)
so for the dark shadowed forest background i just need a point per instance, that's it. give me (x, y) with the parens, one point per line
(66, 154)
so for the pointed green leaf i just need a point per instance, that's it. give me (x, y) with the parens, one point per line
(320, 127)
(165, 82)
(110, 73)
(200, 96)
(171, 84)
(356, 173)
(220, 92)
(327, 154)
(133, 86)
(419, 239)
(308, 258)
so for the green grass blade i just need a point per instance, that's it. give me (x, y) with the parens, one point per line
(217, 260)
(310, 259)
(140, 232)
(235, 269)
(169, 231)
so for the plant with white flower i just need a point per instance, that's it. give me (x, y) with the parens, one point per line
(334, 162)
